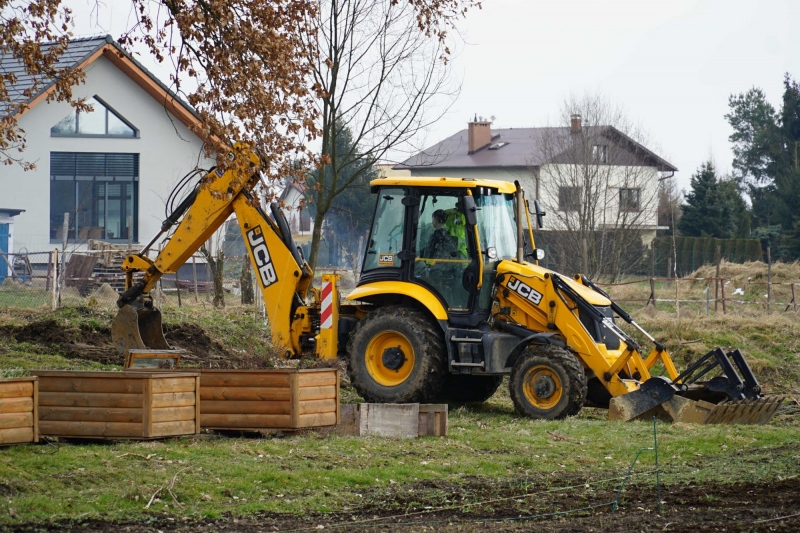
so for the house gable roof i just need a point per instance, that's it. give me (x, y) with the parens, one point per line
(517, 148)
(82, 52)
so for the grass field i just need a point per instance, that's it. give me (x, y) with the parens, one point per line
(493, 465)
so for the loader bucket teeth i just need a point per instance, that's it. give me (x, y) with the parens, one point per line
(138, 329)
(758, 411)
(652, 393)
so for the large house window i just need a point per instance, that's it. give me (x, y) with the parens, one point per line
(629, 199)
(569, 198)
(600, 153)
(99, 191)
(102, 121)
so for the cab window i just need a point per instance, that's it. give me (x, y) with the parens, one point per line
(386, 235)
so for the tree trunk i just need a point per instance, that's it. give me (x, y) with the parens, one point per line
(216, 265)
(316, 238)
(246, 283)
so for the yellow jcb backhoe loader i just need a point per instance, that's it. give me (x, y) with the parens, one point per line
(432, 323)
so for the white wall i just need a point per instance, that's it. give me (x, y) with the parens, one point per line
(646, 179)
(167, 151)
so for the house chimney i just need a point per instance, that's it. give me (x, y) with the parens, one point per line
(575, 123)
(479, 134)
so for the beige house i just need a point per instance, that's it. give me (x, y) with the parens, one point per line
(581, 175)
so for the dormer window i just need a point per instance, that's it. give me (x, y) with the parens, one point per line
(101, 121)
(600, 153)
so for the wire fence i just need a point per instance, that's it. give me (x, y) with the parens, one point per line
(49, 280)
(54, 279)
(707, 295)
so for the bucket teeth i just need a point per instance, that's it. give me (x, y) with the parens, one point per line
(758, 411)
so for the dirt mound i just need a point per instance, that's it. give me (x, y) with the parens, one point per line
(94, 343)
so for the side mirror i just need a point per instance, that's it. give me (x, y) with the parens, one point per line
(470, 209)
(537, 211)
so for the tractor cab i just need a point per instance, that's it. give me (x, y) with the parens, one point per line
(444, 235)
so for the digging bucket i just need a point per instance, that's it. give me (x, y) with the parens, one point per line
(138, 328)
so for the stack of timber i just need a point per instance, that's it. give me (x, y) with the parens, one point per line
(18, 403)
(118, 405)
(259, 400)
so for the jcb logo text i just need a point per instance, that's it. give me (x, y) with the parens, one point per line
(524, 290)
(266, 272)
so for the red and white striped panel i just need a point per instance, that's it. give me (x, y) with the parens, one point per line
(326, 311)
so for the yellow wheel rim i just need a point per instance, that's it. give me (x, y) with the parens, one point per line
(542, 387)
(390, 358)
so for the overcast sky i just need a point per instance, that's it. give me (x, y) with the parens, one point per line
(671, 64)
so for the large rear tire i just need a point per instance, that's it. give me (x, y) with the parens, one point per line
(547, 382)
(466, 388)
(396, 355)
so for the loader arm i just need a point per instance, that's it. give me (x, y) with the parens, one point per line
(283, 276)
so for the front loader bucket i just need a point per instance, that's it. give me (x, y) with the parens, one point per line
(138, 328)
(758, 411)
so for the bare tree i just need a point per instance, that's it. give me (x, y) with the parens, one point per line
(244, 66)
(379, 78)
(599, 186)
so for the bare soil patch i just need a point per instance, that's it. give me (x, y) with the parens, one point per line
(737, 507)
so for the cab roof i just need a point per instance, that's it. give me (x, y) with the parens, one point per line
(465, 183)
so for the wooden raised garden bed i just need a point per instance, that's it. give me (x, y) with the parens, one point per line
(118, 405)
(269, 399)
(18, 420)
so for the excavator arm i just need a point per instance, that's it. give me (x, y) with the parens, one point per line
(283, 276)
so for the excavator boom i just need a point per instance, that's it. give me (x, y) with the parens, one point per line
(283, 276)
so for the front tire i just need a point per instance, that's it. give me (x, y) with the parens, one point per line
(548, 383)
(396, 355)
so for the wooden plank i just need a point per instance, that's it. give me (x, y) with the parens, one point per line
(105, 374)
(229, 421)
(318, 420)
(36, 410)
(317, 393)
(174, 399)
(91, 385)
(179, 427)
(433, 420)
(85, 399)
(16, 420)
(197, 427)
(16, 405)
(245, 379)
(244, 393)
(235, 407)
(91, 414)
(147, 408)
(14, 389)
(338, 398)
(389, 420)
(58, 428)
(317, 406)
(295, 400)
(17, 435)
(171, 414)
(164, 385)
(320, 378)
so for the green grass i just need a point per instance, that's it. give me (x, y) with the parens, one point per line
(209, 476)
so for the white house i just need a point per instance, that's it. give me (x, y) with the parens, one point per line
(111, 169)
(559, 166)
